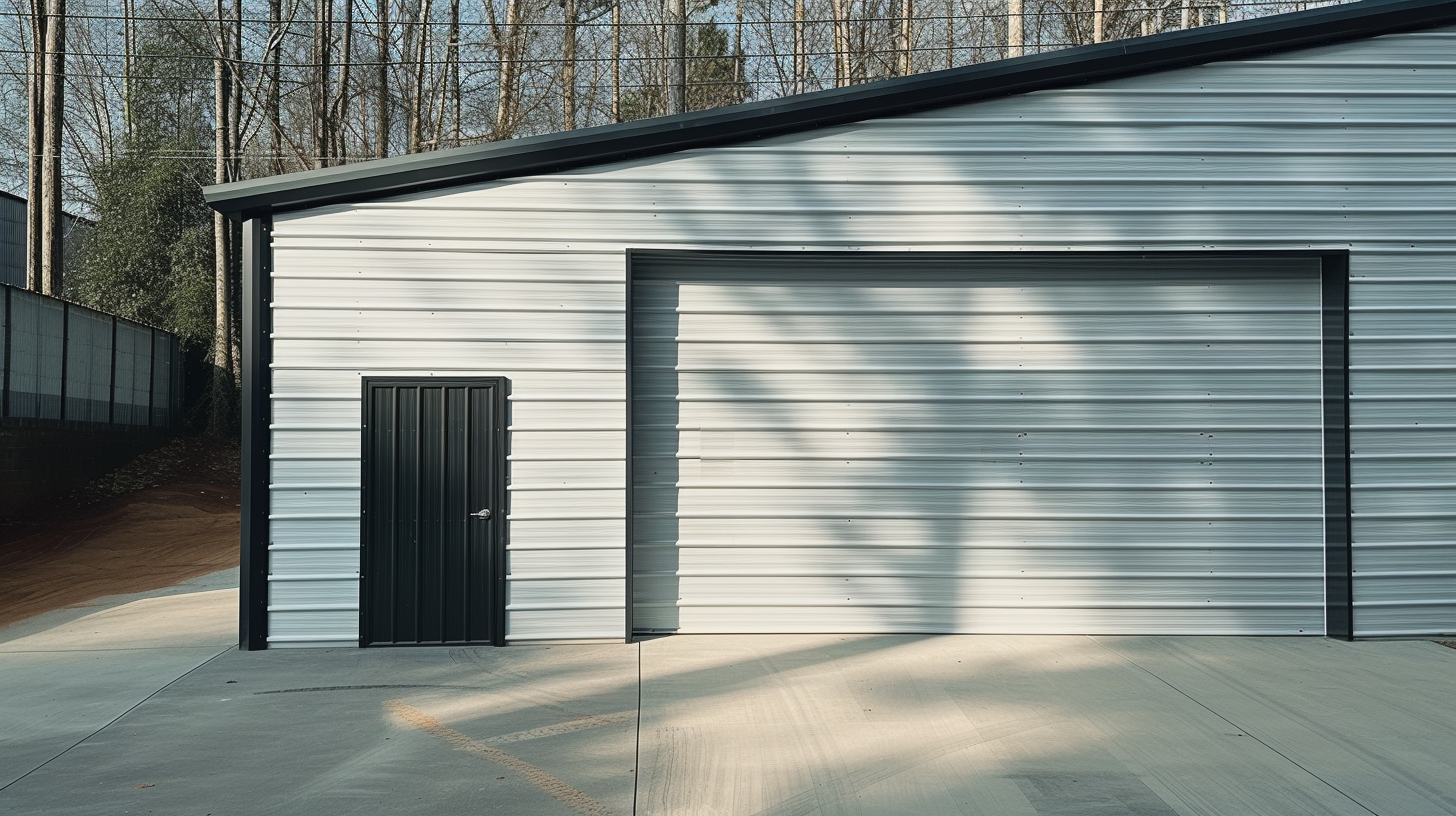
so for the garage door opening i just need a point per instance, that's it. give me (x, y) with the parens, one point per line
(987, 443)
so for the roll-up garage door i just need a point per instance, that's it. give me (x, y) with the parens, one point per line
(916, 442)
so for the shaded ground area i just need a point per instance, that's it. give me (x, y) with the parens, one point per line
(168, 516)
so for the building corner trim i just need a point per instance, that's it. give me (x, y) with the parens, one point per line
(628, 508)
(257, 271)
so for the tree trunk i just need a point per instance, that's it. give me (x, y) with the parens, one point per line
(34, 165)
(839, 10)
(381, 138)
(1097, 21)
(128, 49)
(453, 63)
(740, 63)
(417, 96)
(339, 109)
(273, 61)
(568, 66)
(950, 33)
(906, 65)
(801, 56)
(1014, 28)
(235, 172)
(617, 61)
(220, 416)
(677, 56)
(508, 95)
(52, 238)
(321, 89)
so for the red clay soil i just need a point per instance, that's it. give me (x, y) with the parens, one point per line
(166, 517)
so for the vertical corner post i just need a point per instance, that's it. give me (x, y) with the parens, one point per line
(628, 475)
(257, 263)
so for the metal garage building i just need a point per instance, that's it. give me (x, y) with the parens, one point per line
(1153, 336)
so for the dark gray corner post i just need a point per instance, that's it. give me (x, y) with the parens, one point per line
(629, 472)
(257, 388)
(1339, 538)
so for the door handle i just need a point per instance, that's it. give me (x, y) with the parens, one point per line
(482, 515)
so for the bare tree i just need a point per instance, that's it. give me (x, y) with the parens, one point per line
(1015, 28)
(35, 143)
(905, 58)
(568, 65)
(381, 79)
(801, 51)
(52, 228)
(677, 56)
(419, 38)
(617, 61)
(339, 105)
(224, 374)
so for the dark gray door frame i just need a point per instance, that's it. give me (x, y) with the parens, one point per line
(1335, 387)
(468, 594)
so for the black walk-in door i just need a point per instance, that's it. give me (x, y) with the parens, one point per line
(433, 560)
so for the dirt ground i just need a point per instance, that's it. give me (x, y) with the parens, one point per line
(168, 516)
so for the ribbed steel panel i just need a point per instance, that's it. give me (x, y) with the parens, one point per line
(828, 355)
(1345, 146)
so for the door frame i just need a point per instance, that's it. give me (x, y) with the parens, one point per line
(494, 470)
(1334, 313)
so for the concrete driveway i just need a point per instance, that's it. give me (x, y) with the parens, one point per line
(142, 705)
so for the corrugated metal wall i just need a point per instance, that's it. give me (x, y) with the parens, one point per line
(832, 443)
(12, 240)
(107, 368)
(1346, 146)
(405, 302)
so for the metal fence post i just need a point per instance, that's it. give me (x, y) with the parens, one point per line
(111, 380)
(151, 374)
(9, 353)
(65, 353)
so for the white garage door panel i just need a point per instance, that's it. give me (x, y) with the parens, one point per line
(1099, 535)
(910, 555)
(910, 500)
(1097, 444)
(1245, 381)
(1005, 620)
(935, 443)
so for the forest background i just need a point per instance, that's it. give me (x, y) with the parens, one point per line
(121, 111)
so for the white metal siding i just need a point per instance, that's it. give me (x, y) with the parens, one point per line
(552, 323)
(1346, 146)
(908, 443)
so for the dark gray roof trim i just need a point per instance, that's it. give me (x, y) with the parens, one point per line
(1070, 67)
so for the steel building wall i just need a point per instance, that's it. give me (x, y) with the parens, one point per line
(12, 240)
(1345, 146)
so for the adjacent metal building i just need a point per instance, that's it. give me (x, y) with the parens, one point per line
(13, 240)
(1154, 336)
